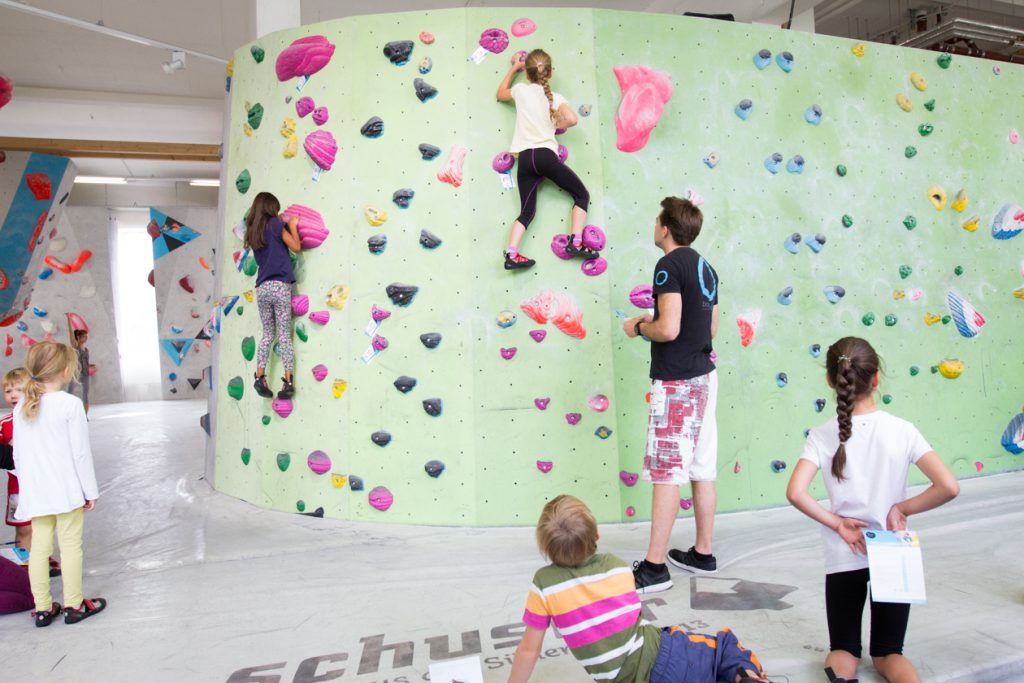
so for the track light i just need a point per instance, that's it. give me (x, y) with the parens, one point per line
(177, 62)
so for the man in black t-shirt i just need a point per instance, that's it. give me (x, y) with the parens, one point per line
(682, 436)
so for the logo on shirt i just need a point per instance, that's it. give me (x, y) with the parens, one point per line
(706, 277)
(661, 277)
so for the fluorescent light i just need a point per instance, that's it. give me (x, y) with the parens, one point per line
(100, 180)
(204, 182)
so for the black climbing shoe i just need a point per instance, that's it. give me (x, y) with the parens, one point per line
(287, 390)
(47, 617)
(583, 250)
(518, 262)
(261, 387)
(87, 609)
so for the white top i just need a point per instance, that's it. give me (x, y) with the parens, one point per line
(880, 450)
(53, 458)
(534, 127)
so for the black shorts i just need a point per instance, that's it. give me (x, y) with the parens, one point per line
(845, 593)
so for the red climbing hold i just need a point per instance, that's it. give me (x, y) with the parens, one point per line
(150, 279)
(39, 185)
(186, 284)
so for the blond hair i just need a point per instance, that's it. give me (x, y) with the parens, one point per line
(16, 377)
(46, 362)
(538, 70)
(567, 532)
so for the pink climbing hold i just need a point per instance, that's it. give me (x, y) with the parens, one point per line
(1014, 136)
(593, 237)
(426, 37)
(378, 313)
(303, 106)
(509, 353)
(563, 153)
(494, 40)
(312, 231)
(645, 91)
(300, 304)
(686, 503)
(282, 406)
(77, 322)
(573, 418)
(319, 372)
(630, 511)
(503, 162)
(629, 478)
(545, 466)
(736, 468)
(539, 308)
(321, 148)
(538, 335)
(523, 27)
(452, 171)
(304, 57)
(319, 462)
(978, 466)
(379, 343)
(320, 115)
(381, 498)
(569, 317)
(598, 403)
(320, 317)
(594, 267)
(558, 244)
(541, 403)
(642, 296)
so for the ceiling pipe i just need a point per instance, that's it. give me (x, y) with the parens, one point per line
(104, 30)
(967, 28)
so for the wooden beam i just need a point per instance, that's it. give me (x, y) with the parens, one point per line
(114, 149)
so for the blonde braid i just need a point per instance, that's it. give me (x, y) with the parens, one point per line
(538, 70)
(542, 80)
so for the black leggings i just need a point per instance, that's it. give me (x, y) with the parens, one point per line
(535, 165)
(845, 593)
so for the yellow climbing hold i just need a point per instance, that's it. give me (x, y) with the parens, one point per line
(1019, 292)
(858, 49)
(904, 102)
(230, 69)
(288, 127)
(971, 224)
(951, 368)
(248, 296)
(960, 201)
(375, 216)
(918, 81)
(930, 319)
(291, 147)
(337, 296)
(898, 294)
(247, 129)
(937, 196)
(338, 387)
(338, 480)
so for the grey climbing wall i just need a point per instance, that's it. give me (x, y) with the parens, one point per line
(555, 401)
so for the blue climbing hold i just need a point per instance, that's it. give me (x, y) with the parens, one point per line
(762, 59)
(785, 61)
(781, 380)
(792, 243)
(744, 108)
(773, 163)
(813, 115)
(816, 243)
(796, 164)
(786, 296)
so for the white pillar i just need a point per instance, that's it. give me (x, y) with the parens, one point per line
(276, 15)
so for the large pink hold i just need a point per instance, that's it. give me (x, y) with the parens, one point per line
(644, 94)
(321, 148)
(503, 162)
(312, 232)
(282, 406)
(304, 57)
(381, 498)
(319, 372)
(494, 40)
(320, 317)
(594, 267)
(642, 296)
(319, 462)
(300, 304)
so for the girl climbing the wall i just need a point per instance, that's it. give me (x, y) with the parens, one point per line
(863, 454)
(539, 112)
(270, 240)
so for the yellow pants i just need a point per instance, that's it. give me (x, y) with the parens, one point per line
(69, 534)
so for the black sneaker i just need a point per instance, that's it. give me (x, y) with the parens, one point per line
(649, 579)
(46, 618)
(691, 563)
(261, 387)
(583, 250)
(287, 390)
(518, 262)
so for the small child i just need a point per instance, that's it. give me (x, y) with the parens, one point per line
(865, 474)
(58, 483)
(539, 112)
(270, 240)
(592, 600)
(79, 339)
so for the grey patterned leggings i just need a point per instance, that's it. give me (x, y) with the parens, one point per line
(274, 299)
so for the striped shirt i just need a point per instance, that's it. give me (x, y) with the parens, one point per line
(596, 610)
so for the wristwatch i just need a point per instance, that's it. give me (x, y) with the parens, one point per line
(636, 328)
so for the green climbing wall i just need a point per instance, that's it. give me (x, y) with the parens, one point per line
(491, 434)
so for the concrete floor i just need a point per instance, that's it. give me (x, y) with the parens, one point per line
(203, 587)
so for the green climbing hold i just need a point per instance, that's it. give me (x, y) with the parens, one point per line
(249, 266)
(239, 309)
(294, 259)
(946, 319)
(905, 272)
(248, 348)
(236, 387)
(890, 320)
(243, 181)
(246, 456)
(255, 115)
(868, 319)
(924, 129)
(258, 54)
(300, 505)
(283, 460)
(266, 420)
(841, 171)
(935, 369)
(910, 222)
(959, 270)
(910, 152)
(847, 220)
(914, 370)
(887, 399)
(300, 331)
(944, 60)
(930, 105)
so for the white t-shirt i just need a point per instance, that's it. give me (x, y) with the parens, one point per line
(53, 457)
(534, 127)
(880, 450)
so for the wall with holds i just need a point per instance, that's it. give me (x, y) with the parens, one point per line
(846, 190)
(184, 258)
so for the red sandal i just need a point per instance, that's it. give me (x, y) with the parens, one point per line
(84, 611)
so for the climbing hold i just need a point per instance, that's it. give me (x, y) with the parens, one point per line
(910, 152)
(834, 293)
(426, 38)
(379, 343)
(321, 148)
(1008, 222)
(319, 462)
(778, 466)
(773, 163)
(711, 160)
(762, 59)
(373, 128)
(937, 196)
(925, 129)
(236, 387)
(958, 271)
(428, 152)
(785, 61)
(996, 70)
(400, 294)
(642, 296)
(558, 244)
(452, 171)
(431, 339)
(506, 319)
(748, 322)
(966, 317)
(246, 456)
(494, 40)
(645, 91)
(424, 91)
(375, 216)
(538, 335)
(602, 432)
(573, 418)
(1013, 436)
(426, 64)
(320, 317)
(265, 420)
(303, 106)
(930, 319)
(381, 438)
(685, 503)
(951, 368)
(282, 406)
(781, 380)
(378, 313)
(254, 115)
(628, 478)
(304, 57)
(402, 197)
(563, 153)
(405, 384)
(814, 350)
(841, 171)
(248, 348)
(904, 102)
(377, 243)
(598, 403)
(819, 405)
(944, 60)
(523, 27)
(300, 505)
(398, 51)
(858, 50)
(971, 224)
(593, 237)
(910, 222)
(813, 115)
(257, 53)
(890, 319)
(243, 181)
(509, 353)
(905, 271)
(380, 498)
(503, 162)
(914, 370)
(930, 105)
(594, 267)
(433, 406)
(541, 403)
(785, 296)
(283, 461)
(816, 243)
(792, 243)
(868, 319)
(291, 147)
(300, 304)
(918, 81)
(960, 201)
(796, 164)
(1014, 136)
(319, 372)
(544, 466)
(584, 110)
(744, 108)
(338, 387)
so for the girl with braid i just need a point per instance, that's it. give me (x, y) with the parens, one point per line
(863, 454)
(539, 112)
